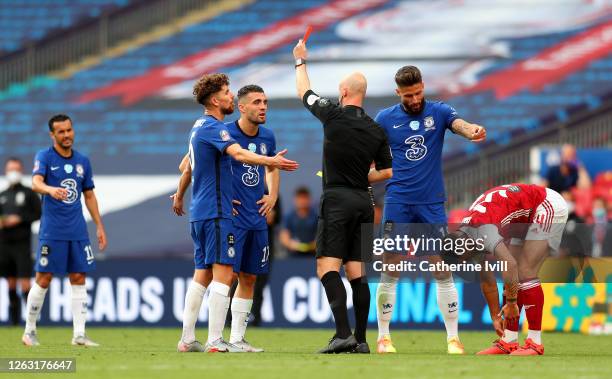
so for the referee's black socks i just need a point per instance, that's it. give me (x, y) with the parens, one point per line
(336, 296)
(14, 307)
(361, 303)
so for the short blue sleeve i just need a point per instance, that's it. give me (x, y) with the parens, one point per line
(40, 164)
(449, 114)
(380, 120)
(88, 183)
(217, 135)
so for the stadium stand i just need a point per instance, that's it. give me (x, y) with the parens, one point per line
(22, 21)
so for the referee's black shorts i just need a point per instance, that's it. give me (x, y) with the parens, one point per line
(341, 213)
(15, 259)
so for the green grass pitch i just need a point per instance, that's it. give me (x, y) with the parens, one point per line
(150, 353)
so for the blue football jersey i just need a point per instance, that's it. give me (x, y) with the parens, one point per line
(211, 170)
(416, 144)
(249, 180)
(63, 219)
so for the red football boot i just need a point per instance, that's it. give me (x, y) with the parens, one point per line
(530, 348)
(500, 347)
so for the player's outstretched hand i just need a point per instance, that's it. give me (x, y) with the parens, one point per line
(280, 162)
(101, 234)
(299, 51)
(267, 204)
(58, 193)
(177, 205)
(479, 134)
(234, 211)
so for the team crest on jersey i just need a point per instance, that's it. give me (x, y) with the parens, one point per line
(263, 148)
(68, 168)
(224, 135)
(429, 123)
(80, 170)
(414, 125)
(252, 147)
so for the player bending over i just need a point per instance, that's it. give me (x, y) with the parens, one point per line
(532, 219)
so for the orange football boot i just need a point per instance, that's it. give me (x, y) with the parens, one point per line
(499, 348)
(530, 348)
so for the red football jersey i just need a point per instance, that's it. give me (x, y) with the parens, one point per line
(510, 204)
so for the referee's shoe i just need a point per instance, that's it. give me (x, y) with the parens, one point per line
(339, 345)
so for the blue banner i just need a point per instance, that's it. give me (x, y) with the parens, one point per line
(139, 292)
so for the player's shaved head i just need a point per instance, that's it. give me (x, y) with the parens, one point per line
(355, 84)
(244, 91)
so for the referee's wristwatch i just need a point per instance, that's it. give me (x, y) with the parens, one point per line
(299, 62)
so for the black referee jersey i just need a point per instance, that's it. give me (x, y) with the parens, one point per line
(352, 141)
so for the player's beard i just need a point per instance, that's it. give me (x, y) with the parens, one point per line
(256, 120)
(65, 143)
(228, 110)
(413, 110)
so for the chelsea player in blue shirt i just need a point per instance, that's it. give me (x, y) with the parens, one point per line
(212, 231)
(61, 174)
(415, 194)
(252, 205)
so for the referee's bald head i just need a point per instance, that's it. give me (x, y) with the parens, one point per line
(355, 84)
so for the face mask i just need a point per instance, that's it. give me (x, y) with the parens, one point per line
(13, 177)
(599, 213)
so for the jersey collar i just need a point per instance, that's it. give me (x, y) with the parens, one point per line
(243, 133)
(61, 156)
(358, 111)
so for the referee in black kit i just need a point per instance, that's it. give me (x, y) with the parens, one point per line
(352, 141)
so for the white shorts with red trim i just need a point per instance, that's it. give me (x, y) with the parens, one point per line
(548, 222)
